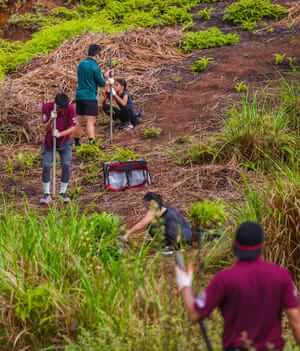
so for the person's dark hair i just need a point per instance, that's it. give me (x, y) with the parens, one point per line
(249, 240)
(154, 197)
(122, 82)
(94, 50)
(62, 100)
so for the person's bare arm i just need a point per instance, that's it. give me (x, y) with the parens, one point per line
(68, 131)
(141, 225)
(293, 315)
(189, 302)
(122, 101)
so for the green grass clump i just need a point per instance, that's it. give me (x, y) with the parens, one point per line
(152, 132)
(247, 13)
(241, 87)
(206, 13)
(279, 58)
(202, 64)
(208, 214)
(210, 38)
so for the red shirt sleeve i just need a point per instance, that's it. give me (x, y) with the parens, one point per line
(211, 297)
(46, 111)
(71, 116)
(290, 297)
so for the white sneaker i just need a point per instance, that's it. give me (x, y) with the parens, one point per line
(46, 199)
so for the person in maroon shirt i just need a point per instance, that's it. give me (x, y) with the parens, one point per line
(65, 126)
(251, 296)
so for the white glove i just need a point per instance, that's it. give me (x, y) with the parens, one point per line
(113, 92)
(53, 115)
(56, 133)
(111, 81)
(183, 279)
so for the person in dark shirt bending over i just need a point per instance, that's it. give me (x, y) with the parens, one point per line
(251, 296)
(175, 227)
(89, 78)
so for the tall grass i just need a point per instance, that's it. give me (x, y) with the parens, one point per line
(255, 134)
(66, 283)
(277, 207)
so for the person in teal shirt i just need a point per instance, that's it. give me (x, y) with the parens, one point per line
(89, 78)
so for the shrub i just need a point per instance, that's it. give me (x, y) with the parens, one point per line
(241, 87)
(208, 214)
(206, 13)
(90, 152)
(203, 152)
(123, 154)
(151, 133)
(209, 38)
(248, 12)
(202, 64)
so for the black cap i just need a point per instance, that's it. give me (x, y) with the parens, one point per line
(249, 240)
(62, 100)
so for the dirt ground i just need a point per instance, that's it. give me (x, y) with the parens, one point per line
(193, 104)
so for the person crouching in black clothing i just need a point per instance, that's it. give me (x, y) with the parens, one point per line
(123, 108)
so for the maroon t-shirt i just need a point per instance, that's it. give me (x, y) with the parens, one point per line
(251, 296)
(66, 118)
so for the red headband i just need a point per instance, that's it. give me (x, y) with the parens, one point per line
(248, 248)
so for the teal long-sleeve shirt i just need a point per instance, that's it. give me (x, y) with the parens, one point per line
(89, 77)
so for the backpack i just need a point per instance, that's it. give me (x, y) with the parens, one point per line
(119, 176)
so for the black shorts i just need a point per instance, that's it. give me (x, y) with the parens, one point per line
(87, 108)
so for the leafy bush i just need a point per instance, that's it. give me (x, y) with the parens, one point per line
(241, 87)
(31, 21)
(123, 154)
(206, 13)
(209, 38)
(150, 133)
(201, 153)
(202, 64)
(248, 12)
(208, 214)
(90, 152)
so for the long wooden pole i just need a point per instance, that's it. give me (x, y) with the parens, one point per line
(54, 116)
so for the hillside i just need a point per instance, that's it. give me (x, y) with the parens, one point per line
(229, 135)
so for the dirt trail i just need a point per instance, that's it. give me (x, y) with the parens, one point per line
(191, 105)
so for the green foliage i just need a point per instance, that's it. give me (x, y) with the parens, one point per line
(90, 152)
(209, 38)
(122, 154)
(241, 87)
(22, 161)
(206, 13)
(93, 16)
(248, 12)
(279, 58)
(152, 132)
(208, 214)
(31, 21)
(202, 64)
(289, 100)
(255, 135)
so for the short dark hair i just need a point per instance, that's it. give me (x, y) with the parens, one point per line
(249, 240)
(154, 197)
(94, 50)
(122, 82)
(62, 100)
